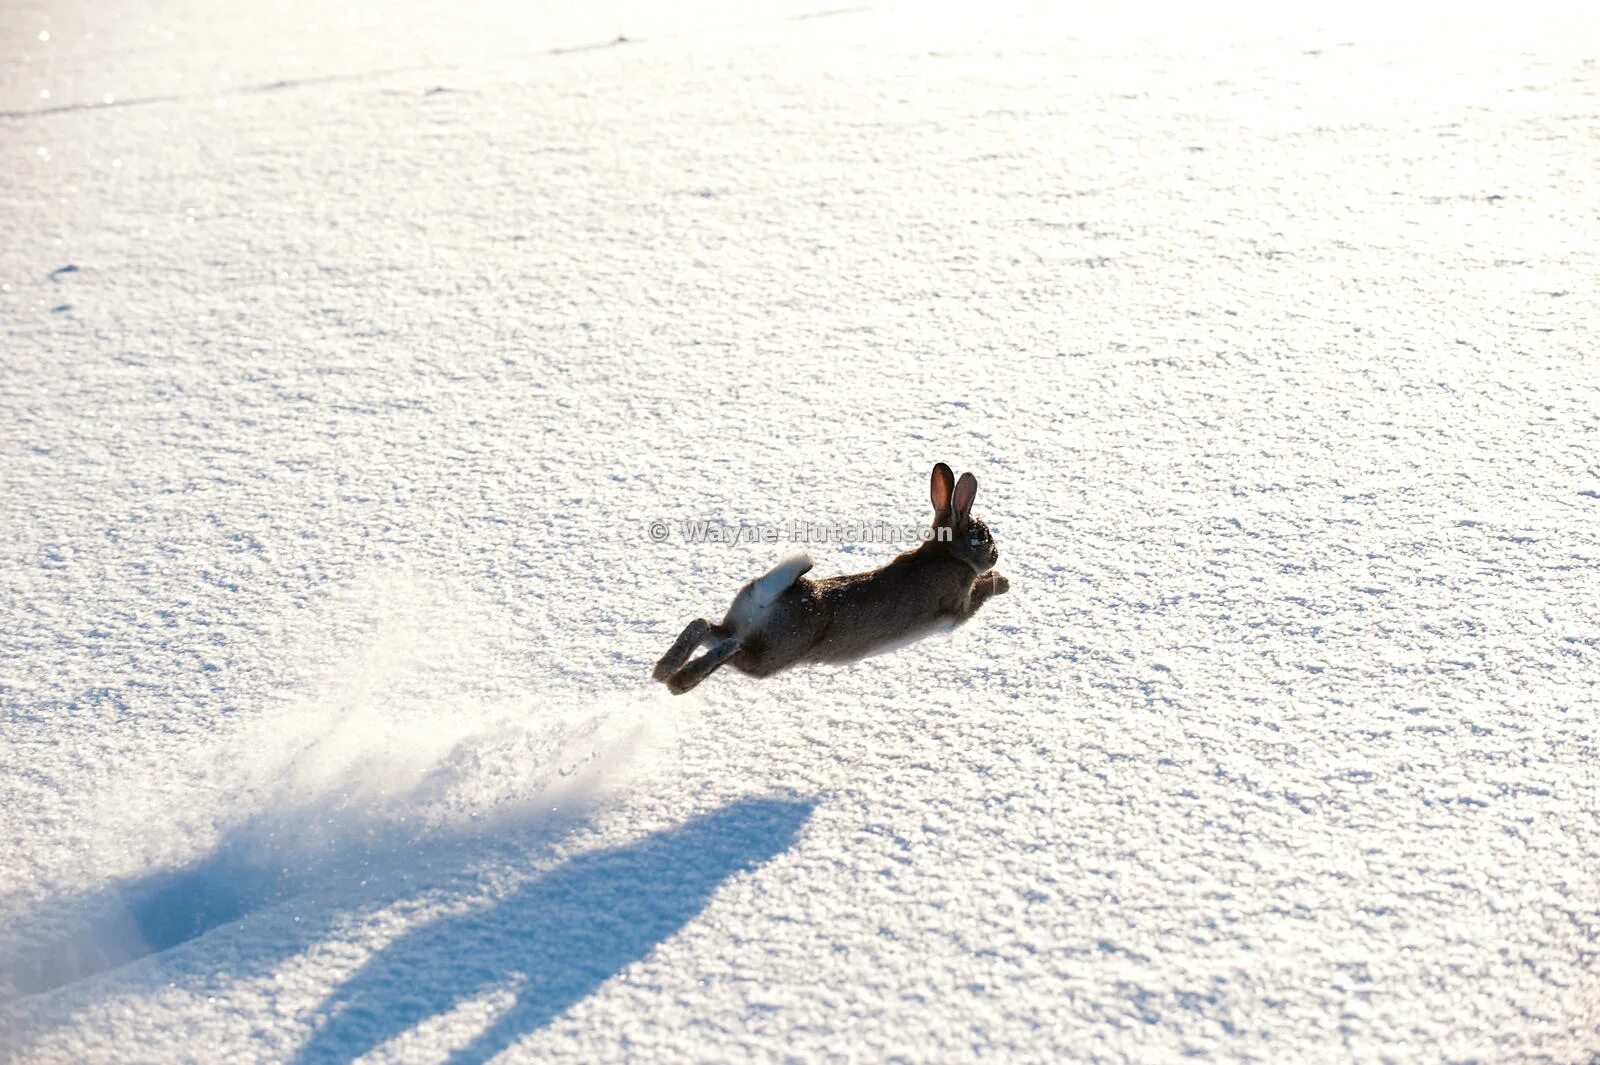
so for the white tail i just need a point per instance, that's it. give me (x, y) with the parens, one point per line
(780, 577)
(750, 607)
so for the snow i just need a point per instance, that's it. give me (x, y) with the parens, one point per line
(345, 370)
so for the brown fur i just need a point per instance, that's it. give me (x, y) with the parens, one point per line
(842, 619)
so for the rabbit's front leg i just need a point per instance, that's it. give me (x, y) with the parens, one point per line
(987, 584)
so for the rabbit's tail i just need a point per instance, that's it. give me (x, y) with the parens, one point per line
(750, 608)
(780, 577)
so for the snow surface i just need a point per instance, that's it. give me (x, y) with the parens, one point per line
(345, 367)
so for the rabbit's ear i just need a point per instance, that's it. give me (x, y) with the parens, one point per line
(939, 489)
(966, 491)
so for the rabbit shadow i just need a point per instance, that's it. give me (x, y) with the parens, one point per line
(553, 941)
(251, 873)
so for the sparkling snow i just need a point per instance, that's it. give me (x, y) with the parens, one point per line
(333, 421)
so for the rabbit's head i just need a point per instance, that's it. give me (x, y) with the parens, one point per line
(968, 538)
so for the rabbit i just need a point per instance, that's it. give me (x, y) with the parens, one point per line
(783, 619)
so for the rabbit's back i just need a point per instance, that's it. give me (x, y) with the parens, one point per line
(871, 612)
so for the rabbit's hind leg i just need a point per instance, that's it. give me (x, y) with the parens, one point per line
(692, 636)
(702, 667)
